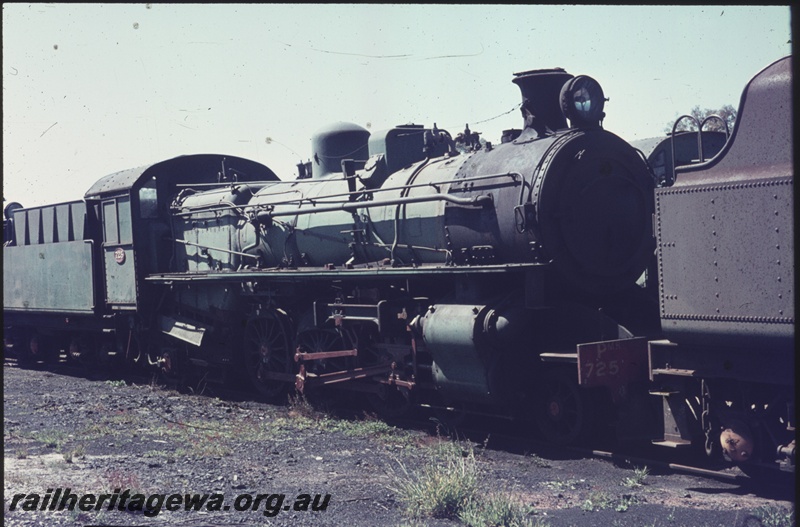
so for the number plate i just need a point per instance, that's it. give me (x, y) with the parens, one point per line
(612, 363)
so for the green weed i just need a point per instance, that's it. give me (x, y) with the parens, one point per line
(774, 516)
(638, 478)
(498, 510)
(597, 500)
(625, 502)
(50, 438)
(568, 484)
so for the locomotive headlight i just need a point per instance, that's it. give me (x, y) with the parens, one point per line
(582, 101)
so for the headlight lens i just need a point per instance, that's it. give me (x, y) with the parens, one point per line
(582, 101)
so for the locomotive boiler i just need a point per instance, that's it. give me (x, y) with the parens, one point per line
(574, 197)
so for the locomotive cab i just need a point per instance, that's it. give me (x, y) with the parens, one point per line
(134, 209)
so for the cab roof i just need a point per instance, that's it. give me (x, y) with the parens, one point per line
(188, 169)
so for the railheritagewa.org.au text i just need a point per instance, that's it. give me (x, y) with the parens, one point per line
(152, 504)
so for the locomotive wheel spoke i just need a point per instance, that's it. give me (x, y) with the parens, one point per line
(321, 340)
(561, 409)
(267, 350)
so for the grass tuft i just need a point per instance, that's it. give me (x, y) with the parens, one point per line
(638, 478)
(50, 438)
(498, 510)
(597, 500)
(299, 406)
(443, 488)
(448, 486)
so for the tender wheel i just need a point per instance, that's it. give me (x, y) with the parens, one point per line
(561, 408)
(37, 347)
(15, 341)
(762, 442)
(81, 351)
(267, 351)
(108, 356)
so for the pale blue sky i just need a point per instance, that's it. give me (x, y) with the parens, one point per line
(90, 89)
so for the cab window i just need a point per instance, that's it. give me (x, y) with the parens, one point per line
(117, 221)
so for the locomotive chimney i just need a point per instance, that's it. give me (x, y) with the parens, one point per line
(541, 90)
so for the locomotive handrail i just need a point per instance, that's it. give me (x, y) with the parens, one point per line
(672, 141)
(212, 207)
(352, 206)
(231, 184)
(186, 242)
(388, 246)
(717, 118)
(433, 184)
(699, 125)
(313, 201)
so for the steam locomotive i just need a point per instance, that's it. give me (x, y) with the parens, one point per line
(561, 277)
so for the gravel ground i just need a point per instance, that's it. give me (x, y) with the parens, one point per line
(92, 434)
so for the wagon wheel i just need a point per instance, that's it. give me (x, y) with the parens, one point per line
(17, 339)
(108, 354)
(82, 350)
(561, 408)
(37, 347)
(267, 350)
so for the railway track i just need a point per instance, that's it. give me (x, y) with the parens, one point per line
(494, 434)
(621, 456)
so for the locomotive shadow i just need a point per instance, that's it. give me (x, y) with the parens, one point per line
(777, 488)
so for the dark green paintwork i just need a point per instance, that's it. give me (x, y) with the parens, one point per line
(49, 277)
